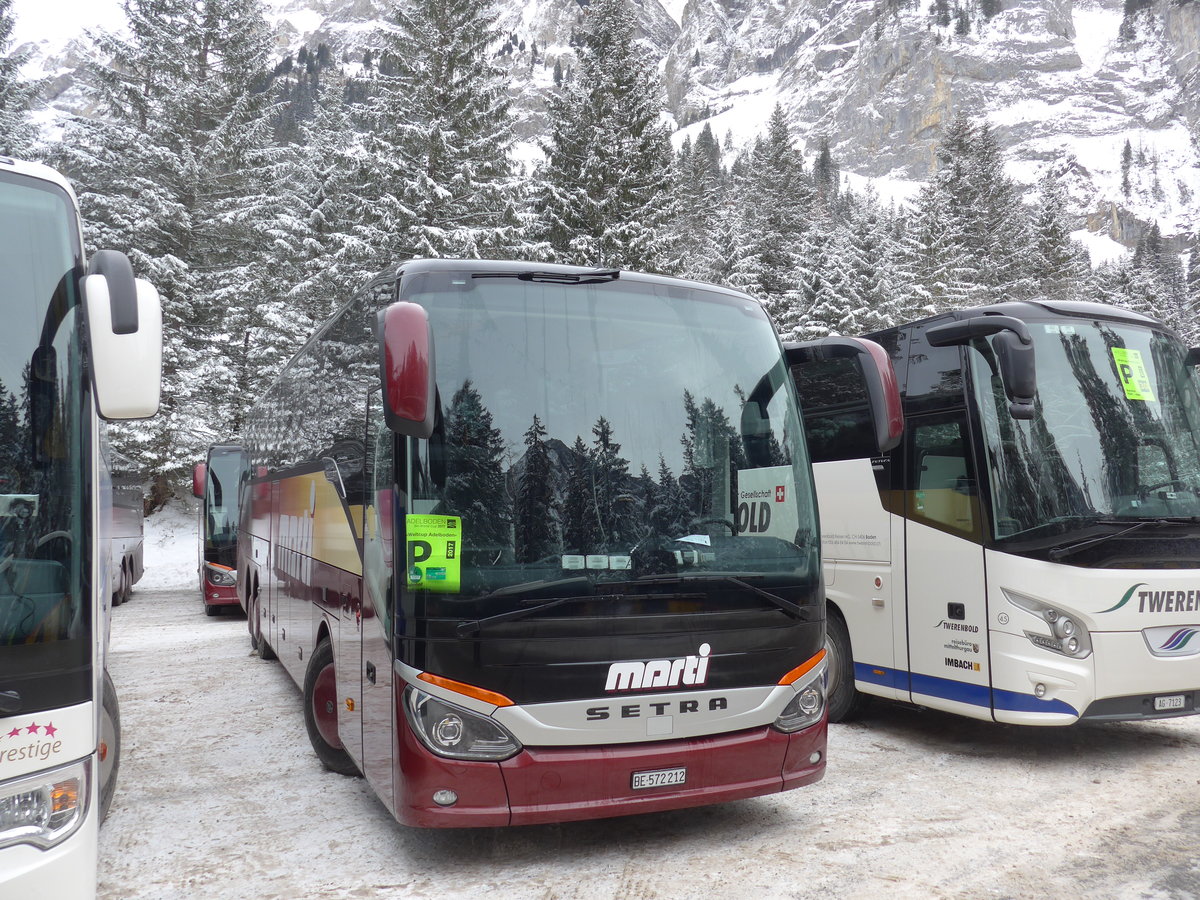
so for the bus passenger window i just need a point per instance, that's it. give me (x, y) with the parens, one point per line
(944, 492)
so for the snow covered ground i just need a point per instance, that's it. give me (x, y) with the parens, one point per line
(219, 796)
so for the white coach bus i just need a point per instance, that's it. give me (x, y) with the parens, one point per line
(78, 345)
(1030, 553)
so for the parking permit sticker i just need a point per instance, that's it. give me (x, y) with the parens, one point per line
(434, 553)
(1134, 377)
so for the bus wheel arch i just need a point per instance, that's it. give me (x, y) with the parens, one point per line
(109, 754)
(845, 702)
(320, 709)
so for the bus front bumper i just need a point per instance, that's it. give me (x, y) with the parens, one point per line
(561, 784)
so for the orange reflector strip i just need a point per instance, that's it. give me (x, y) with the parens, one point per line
(467, 690)
(219, 566)
(803, 669)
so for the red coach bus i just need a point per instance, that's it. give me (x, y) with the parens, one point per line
(216, 482)
(567, 566)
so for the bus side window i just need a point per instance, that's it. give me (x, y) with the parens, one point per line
(943, 491)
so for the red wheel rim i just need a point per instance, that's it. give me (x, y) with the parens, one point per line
(324, 706)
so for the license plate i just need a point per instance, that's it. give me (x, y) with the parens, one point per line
(659, 778)
(1174, 701)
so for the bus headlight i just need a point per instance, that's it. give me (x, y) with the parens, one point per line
(454, 732)
(807, 707)
(1067, 636)
(221, 576)
(47, 808)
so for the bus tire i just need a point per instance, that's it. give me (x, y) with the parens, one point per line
(110, 744)
(126, 584)
(321, 708)
(211, 609)
(844, 700)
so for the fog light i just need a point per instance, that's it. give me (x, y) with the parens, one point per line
(814, 757)
(1039, 690)
(1067, 627)
(445, 798)
(1072, 645)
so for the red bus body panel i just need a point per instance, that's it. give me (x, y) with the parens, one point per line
(562, 784)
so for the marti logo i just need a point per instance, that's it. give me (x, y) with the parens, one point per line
(659, 673)
(1176, 601)
(32, 741)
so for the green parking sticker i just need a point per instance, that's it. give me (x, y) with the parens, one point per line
(1134, 377)
(434, 552)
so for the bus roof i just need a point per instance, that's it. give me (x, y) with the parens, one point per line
(1031, 309)
(37, 170)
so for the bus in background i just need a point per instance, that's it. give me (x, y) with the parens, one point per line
(216, 482)
(1031, 553)
(128, 507)
(539, 543)
(80, 345)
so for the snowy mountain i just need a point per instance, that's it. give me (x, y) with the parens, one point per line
(1063, 83)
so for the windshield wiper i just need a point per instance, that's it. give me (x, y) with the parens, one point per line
(474, 626)
(1059, 552)
(596, 276)
(796, 612)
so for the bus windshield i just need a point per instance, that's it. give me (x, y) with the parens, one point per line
(45, 628)
(596, 434)
(1115, 435)
(221, 505)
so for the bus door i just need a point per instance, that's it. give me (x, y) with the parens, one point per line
(375, 676)
(946, 598)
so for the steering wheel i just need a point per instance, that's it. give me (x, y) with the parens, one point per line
(715, 520)
(51, 535)
(1180, 485)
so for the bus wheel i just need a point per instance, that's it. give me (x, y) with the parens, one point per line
(320, 711)
(211, 609)
(126, 585)
(110, 745)
(118, 596)
(845, 702)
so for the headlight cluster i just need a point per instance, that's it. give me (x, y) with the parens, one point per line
(44, 809)
(1068, 635)
(807, 707)
(454, 732)
(221, 576)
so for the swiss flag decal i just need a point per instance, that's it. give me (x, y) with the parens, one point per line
(780, 493)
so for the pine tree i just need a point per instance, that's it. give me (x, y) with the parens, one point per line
(611, 490)
(533, 513)
(175, 175)
(603, 195)
(699, 209)
(475, 485)
(1060, 264)
(17, 131)
(440, 180)
(581, 527)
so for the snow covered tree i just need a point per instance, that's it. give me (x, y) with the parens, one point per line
(603, 196)
(17, 131)
(438, 179)
(173, 175)
(699, 208)
(776, 201)
(1060, 264)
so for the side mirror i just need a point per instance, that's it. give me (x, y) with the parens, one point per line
(1193, 357)
(1014, 354)
(199, 477)
(407, 370)
(849, 384)
(124, 322)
